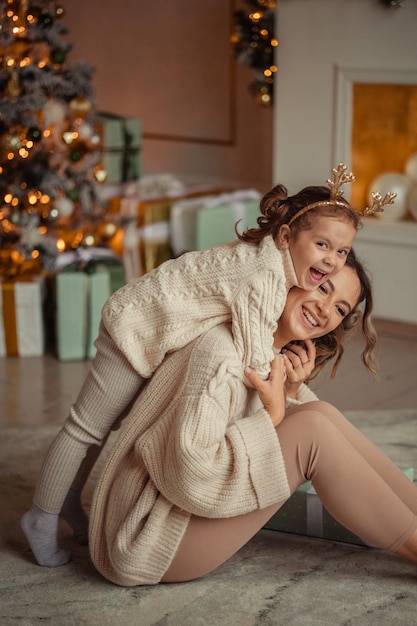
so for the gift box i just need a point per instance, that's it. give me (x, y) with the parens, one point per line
(105, 192)
(216, 224)
(203, 222)
(80, 290)
(153, 233)
(121, 140)
(22, 321)
(304, 514)
(147, 241)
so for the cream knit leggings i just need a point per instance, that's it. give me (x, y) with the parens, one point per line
(356, 482)
(105, 397)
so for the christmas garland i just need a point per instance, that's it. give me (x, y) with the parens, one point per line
(254, 42)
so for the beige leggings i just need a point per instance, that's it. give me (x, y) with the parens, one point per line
(357, 483)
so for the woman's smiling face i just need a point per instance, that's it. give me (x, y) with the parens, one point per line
(312, 314)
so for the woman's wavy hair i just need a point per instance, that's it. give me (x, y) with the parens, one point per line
(277, 208)
(330, 346)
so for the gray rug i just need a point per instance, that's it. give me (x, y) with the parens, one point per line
(277, 579)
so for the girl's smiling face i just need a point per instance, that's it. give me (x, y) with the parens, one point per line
(319, 252)
(312, 314)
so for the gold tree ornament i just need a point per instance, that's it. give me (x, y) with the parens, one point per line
(80, 106)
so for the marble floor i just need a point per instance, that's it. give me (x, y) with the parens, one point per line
(276, 579)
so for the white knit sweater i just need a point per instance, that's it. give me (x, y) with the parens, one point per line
(178, 301)
(197, 441)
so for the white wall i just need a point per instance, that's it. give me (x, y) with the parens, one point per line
(171, 65)
(318, 40)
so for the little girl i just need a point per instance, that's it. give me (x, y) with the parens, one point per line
(302, 240)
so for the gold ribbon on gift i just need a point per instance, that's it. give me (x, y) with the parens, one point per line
(9, 319)
(146, 242)
(9, 313)
(153, 221)
(14, 268)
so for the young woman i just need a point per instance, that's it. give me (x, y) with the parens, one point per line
(203, 460)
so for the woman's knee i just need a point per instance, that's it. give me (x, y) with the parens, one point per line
(321, 406)
(326, 408)
(310, 415)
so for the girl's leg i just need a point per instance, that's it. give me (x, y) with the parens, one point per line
(72, 510)
(109, 387)
(347, 484)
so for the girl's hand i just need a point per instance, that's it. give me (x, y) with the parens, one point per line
(271, 391)
(299, 360)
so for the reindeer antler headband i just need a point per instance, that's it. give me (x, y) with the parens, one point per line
(340, 177)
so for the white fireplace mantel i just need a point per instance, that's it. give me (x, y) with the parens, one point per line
(389, 253)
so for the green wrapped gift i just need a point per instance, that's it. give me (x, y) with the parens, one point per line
(216, 224)
(303, 514)
(81, 289)
(71, 315)
(121, 141)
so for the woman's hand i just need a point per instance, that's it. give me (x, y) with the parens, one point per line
(299, 360)
(271, 391)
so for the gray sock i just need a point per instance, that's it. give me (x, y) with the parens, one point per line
(41, 530)
(73, 513)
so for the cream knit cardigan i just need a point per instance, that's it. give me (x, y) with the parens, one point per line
(197, 441)
(178, 301)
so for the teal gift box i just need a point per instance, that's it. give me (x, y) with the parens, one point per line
(304, 514)
(81, 289)
(121, 141)
(216, 224)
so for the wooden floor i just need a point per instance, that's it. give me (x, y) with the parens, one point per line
(39, 390)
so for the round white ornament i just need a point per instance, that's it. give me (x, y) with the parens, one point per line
(64, 206)
(411, 167)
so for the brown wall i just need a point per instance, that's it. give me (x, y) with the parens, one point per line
(171, 65)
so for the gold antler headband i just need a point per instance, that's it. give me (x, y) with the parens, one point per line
(340, 177)
(378, 202)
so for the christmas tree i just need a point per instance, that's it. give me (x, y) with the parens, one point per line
(49, 148)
